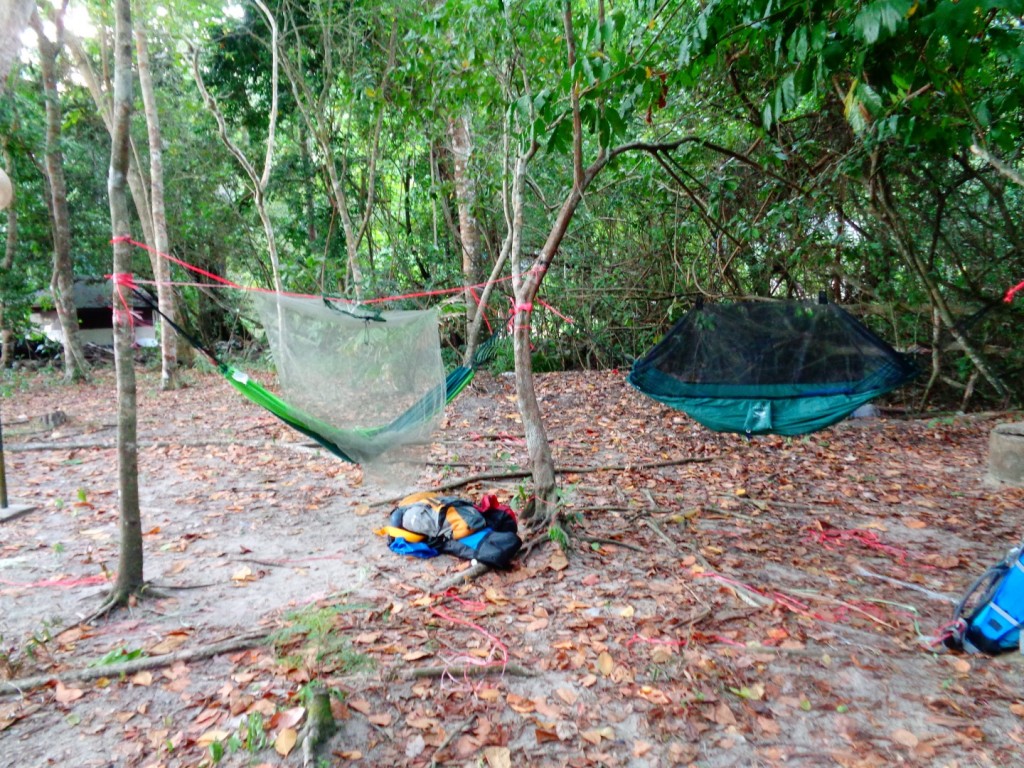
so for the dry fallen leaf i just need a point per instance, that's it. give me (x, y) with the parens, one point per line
(215, 734)
(904, 737)
(285, 741)
(65, 695)
(498, 757)
(605, 664)
(287, 718)
(558, 561)
(416, 655)
(544, 735)
(595, 735)
(143, 678)
(172, 642)
(567, 695)
(361, 706)
(521, 704)
(415, 747)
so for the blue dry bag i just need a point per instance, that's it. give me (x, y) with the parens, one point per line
(994, 625)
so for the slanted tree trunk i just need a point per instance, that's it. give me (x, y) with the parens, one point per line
(63, 281)
(526, 282)
(525, 286)
(542, 508)
(129, 569)
(316, 106)
(257, 179)
(469, 231)
(162, 272)
(881, 199)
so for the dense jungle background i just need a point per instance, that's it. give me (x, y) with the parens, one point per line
(728, 150)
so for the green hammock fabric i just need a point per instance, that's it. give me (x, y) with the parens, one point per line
(786, 368)
(339, 442)
(359, 444)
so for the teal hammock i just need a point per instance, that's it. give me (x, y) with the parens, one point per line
(755, 368)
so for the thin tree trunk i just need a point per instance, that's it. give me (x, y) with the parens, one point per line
(162, 273)
(542, 507)
(62, 283)
(525, 286)
(129, 570)
(469, 232)
(6, 336)
(14, 15)
(100, 93)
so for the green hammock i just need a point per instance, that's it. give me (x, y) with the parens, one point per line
(320, 352)
(341, 442)
(786, 368)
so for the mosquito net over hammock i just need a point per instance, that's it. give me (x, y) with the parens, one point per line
(785, 368)
(369, 385)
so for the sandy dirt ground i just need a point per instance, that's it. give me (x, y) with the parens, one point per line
(720, 602)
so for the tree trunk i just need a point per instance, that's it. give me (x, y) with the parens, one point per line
(315, 112)
(136, 183)
(543, 506)
(6, 336)
(14, 15)
(469, 232)
(129, 570)
(162, 272)
(62, 283)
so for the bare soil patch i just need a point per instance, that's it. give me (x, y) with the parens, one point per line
(767, 606)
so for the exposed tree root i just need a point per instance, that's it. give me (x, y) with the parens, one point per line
(121, 598)
(613, 543)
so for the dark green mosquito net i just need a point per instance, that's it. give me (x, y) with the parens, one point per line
(769, 367)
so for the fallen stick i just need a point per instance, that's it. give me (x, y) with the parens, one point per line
(906, 585)
(9, 687)
(465, 670)
(753, 599)
(560, 470)
(461, 577)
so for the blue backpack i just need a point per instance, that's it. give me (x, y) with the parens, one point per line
(994, 624)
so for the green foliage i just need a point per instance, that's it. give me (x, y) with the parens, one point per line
(322, 647)
(794, 120)
(118, 655)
